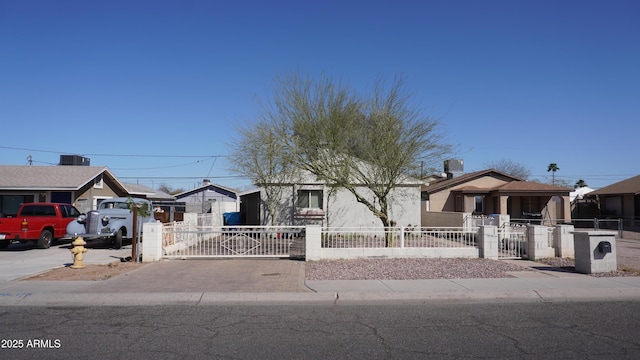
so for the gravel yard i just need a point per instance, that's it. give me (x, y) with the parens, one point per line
(421, 268)
(408, 269)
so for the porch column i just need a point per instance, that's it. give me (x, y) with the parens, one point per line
(502, 205)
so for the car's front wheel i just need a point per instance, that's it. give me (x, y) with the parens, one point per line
(45, 240)
(117, 239)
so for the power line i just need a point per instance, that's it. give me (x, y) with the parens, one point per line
(166, 167)
(112, 155)
(181, 177)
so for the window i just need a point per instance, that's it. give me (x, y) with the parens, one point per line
(38, 210)
(310, 199)
(9, 204)
(479, 204)
(69, 211)
(98, 182)
(459, 205)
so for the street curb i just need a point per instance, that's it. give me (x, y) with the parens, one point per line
(326, 298)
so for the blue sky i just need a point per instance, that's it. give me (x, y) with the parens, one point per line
(152, 89)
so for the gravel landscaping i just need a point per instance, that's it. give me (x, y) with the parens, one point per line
(420, 268)
(408, 269)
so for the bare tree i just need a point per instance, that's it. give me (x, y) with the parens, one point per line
(169, 190)
(510, 167)
(258, 154)
(366, 145)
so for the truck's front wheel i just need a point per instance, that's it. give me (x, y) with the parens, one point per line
(45, 240)
(117, 240)
(4, 244)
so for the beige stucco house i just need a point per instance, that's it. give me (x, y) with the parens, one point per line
(491, 192)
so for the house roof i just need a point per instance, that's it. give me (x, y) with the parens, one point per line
(530, 186)
(441, 184)
(51, 177)
(232, 193)
(149, 193)
(513, 184)
(628, 186)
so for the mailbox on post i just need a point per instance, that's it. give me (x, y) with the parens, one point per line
(595, 251)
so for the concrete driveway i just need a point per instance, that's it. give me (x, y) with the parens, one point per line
(20, 260)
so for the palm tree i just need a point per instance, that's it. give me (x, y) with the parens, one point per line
(580, 184)
(553, 167)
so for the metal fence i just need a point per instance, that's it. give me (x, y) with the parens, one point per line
(475, 221)
(512, 240)
(186, 240)
(394, 237)
(590, 224)
(600, 224)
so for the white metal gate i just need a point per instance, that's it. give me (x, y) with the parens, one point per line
(185, 240)
(512, 241)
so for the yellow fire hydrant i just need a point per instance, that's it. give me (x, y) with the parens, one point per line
(78, 253)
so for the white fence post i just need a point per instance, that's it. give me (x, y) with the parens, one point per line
(564, 240)
(313, 242)
(488, 241)
(152, 244)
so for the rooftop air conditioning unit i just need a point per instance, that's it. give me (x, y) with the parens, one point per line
(453, 168)
(74, 160)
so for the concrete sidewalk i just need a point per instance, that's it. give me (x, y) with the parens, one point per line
(206, 282)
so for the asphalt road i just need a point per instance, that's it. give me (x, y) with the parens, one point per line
(589, 330)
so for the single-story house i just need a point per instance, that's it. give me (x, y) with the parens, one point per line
(309, 201)
(210, 198)
(82, 186)
(619, 200)
(490, 192)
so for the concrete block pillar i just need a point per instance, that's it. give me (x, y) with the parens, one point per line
(313, 242)
(488, 241)
(538, 243)
(591, 256)
(152, 244)
(563, 235)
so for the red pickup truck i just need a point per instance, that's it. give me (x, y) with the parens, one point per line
(41, 222)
